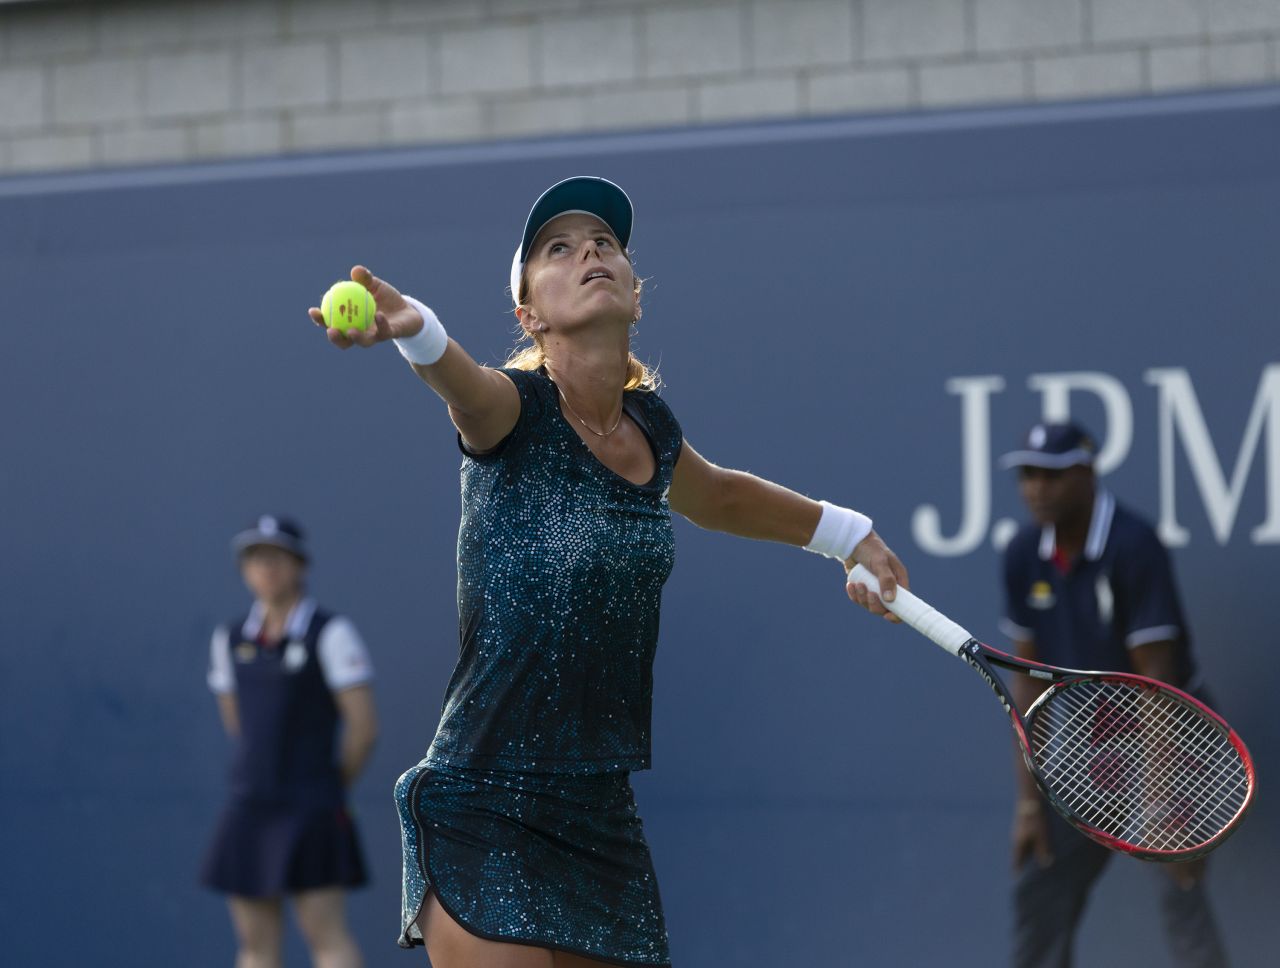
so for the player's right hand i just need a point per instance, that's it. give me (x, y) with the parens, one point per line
(393, 317)
(1030, 834)
(876, 556)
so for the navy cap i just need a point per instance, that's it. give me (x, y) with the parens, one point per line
(275, 531)
(582, 193)
(1053, 446)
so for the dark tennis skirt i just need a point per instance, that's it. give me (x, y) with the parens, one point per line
(269, 850)
(550, 860)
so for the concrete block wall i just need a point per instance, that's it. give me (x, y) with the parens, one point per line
(109, 83)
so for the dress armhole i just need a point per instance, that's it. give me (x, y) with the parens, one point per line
(665, 430)
(530, 407)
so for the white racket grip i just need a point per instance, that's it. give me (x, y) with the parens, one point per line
(917, 613)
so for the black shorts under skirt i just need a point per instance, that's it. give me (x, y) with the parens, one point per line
(270, 850)
(556, 861)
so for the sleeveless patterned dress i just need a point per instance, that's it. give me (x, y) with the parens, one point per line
(521, 818)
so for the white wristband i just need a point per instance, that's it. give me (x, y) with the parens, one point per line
(425, 347)
(838, 532)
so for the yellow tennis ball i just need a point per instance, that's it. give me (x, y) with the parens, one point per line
(346, 306)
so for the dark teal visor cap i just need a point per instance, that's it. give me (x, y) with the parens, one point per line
(582, 193)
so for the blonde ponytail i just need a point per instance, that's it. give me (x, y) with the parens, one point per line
(532, 357)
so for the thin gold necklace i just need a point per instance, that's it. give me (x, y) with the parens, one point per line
(616, 423)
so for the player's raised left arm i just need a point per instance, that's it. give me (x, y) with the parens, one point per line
(736, 502)
(483, 403)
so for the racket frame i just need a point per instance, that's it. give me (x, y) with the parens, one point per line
(982, 658)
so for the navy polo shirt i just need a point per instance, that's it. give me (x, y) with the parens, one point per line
(1117, 595)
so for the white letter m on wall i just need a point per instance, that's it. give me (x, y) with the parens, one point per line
(1181, 418)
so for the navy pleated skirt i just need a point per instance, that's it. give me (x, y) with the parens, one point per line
(551, 860)
(270, 850)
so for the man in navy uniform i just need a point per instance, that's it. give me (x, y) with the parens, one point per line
(1088, 585)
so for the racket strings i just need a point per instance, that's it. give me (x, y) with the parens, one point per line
(1166, 820)
(1102, 804)
(1112, 771)
(1138, 764)
(1115, 769)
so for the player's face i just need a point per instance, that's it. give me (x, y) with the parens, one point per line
(1054, 496)
(577, 271)
(271, 574)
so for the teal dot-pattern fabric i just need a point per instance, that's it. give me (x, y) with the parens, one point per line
(520, 818)
(554, 860)
(561, 564)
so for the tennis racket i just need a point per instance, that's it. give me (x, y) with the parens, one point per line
(1134, 764)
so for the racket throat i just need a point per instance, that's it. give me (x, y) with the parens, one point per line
(971, 652)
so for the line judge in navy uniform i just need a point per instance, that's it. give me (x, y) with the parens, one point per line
(1088, 585)
(293, 687)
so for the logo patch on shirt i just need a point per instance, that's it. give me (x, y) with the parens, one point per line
(245, 652)
(1041, 596)
(295, 656)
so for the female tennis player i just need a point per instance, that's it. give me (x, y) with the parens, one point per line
(522, 846)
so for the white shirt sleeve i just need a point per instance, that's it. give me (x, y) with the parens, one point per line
(221, 678)
(343, 658)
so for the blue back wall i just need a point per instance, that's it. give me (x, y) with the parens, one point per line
(867, 310)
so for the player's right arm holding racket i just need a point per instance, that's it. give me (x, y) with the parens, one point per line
(736, 502)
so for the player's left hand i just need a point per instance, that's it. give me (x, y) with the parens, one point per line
(874, 555)
(394, 317)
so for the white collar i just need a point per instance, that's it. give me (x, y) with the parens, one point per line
(1104, 509)
(295, 626)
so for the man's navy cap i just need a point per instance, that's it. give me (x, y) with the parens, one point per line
(582, 193)
(1053, 446)
(275, 531)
